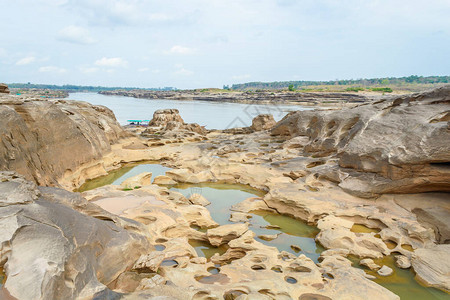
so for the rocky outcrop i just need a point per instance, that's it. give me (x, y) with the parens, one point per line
(47, 139)
(4, 88)
(246, 97)
(395, 145)
(56, 245)
(263, 122)
(169, 122)
(432, 266)
(162, 117)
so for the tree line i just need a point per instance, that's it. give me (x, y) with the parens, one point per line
(80, 88)
(413, 79)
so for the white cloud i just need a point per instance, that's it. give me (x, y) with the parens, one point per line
(113, 62)
(183, 72)
(156, 71)
(2, 52)
(26, 60)
(76, 35)
(52, 69)
(177, 49)
(143, 70)
(240, 77)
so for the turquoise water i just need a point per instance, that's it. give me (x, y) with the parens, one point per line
(213, 115)
(118, 176)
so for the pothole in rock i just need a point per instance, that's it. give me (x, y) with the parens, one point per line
(234, 294)
(258, 267)
(212, 279)
(160, 247)
(277, 269)
(298, 268)
(213, 270)
(358, 228)
(205, 249)
(161, 240)
(290, 280)
(169, 263)
(328, 275)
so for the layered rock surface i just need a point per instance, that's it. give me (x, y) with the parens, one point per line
(45, 140)
(395, 145)
(4, 88)
(56, 245)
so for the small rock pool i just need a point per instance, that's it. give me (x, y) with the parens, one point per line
(292, 235)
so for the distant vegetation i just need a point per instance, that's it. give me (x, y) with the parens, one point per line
(386, 85)
(79, 88)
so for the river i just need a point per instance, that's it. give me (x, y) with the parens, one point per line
(212, 115)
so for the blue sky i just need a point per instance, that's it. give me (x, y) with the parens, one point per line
(208, 43)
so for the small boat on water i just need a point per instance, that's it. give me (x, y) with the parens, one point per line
(138, 122)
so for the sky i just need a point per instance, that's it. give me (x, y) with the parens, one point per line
(211, 43)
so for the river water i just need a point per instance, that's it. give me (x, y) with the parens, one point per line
(211, 114)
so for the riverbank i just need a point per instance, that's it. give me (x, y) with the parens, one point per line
(266, 97)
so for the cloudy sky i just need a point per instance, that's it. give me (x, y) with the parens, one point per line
(208, 43)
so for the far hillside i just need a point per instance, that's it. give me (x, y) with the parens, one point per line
(411, 83)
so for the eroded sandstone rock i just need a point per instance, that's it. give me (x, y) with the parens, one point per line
(395, 145)
(45, 140)
(225, 233)
(56, 245)
(263, 122)
(432, 266)
(4, 88)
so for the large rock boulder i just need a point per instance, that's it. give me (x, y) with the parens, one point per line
(162, 117)
(263, 122)
(56, 245)
(395, 145)
(47, 139)
(4, 88)
(166, 121)
(432, 266)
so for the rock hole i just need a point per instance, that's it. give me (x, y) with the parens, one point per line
(169, 263)
(258, 267)
(408, 247)
(290, 280)
(160, 247)
(311, 296)
(213, 270)
(234, 294)
(161, 240)
(277, 269)
(212, 279)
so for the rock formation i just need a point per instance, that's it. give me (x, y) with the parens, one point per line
(4, 88)
(319, 166)
(263, 122)
(395, 145)
(304, 98)
(169, 122)
(45, 140)
(56, 245)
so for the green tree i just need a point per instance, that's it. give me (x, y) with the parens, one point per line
(291, 88)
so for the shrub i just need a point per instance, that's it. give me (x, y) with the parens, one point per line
(382, 89)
